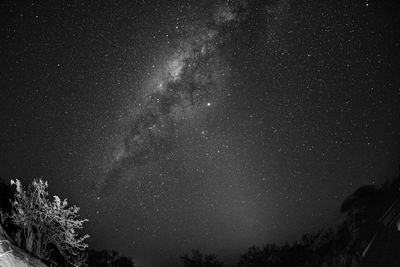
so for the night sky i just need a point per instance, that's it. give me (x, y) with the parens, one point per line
(212, 125)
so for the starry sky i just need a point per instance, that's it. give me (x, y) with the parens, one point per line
(212, 125)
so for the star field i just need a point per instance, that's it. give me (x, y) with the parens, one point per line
(216, 125)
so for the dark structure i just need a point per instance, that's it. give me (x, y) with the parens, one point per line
(384, 248)
(11, 255)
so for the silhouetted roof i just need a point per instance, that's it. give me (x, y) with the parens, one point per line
(383, 249)
(391, 217)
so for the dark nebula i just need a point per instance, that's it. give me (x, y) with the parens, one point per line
(190, 83)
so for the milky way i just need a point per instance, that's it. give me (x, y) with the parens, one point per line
(191, 82)
(200, 124)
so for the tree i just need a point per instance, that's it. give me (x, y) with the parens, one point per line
(363, 210)
(6, 193)
(197, 259)
(6, 197)
(106, 258)
(45, 224)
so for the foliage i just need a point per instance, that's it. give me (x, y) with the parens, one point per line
(47, 224)
(328, 248)
(6, 195)
(362, 211)
(106, 258)
(196, 259)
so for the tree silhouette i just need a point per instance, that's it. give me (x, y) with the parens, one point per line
(106, 258)
(363, 210)
(6, 197)
(197, 259)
